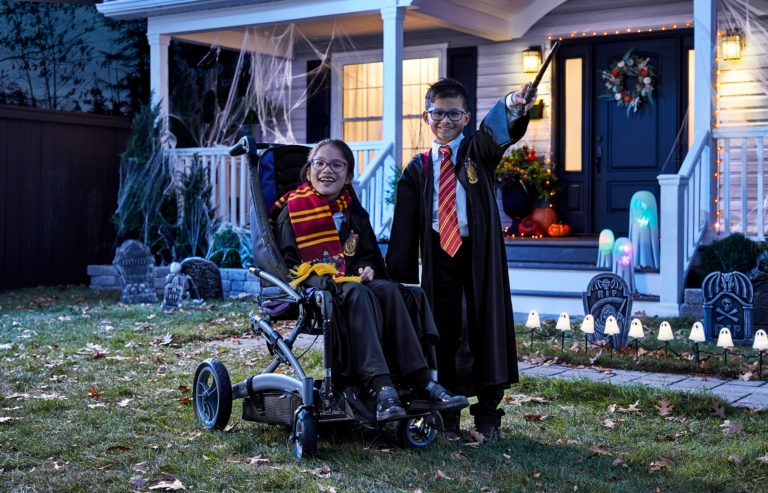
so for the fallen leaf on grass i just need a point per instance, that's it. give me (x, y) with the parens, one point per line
(104, 468)
(19, 397)
(93, 393)
(608, 422)
(746, 376)
(678, 434)
(256, 460)
(98, 404)
(664, 409)
(568, 408)
(186, 401)
(166, 482)
(459, 455)
(124, 402)
(735, 459)
(8, 419)
(631, 409)
(596, 450)
(534, 416)
(184, 388)
(596, 357)
(140, 467)
(731, 427)
(231, 426)
(138, 482)
(563, 441)
(763, 459)
(320, 472)
(662, 462)
(754, 410)
(475, 437)
(121, 448)
(611, 408)
(441, 475)
(618, 461)
(717, 409)
(328, 489)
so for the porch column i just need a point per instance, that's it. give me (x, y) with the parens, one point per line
(392, 115)
(158, 72)
(704, 45)
(672, 244)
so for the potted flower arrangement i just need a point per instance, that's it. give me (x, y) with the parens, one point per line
(523, 176)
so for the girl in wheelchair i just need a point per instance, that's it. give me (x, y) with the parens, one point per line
(383, 329)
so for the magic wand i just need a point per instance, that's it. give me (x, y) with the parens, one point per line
(519, 109)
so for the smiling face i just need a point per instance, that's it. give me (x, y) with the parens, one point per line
(327, 182)
(446, 130)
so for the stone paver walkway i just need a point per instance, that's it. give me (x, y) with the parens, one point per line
(752, 393)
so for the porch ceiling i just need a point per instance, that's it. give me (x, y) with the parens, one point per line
(205, 21)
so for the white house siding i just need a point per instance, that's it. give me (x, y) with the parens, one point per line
(742, 101)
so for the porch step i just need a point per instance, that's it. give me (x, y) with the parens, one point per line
(570, 252)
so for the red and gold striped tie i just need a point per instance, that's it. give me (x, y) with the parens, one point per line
(448, 220)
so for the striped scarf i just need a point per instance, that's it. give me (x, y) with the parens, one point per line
(315, 231)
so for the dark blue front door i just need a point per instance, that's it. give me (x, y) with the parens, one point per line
(625, 153)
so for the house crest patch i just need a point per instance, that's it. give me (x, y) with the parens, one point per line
(471, 169)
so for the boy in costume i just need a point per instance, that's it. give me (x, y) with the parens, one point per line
(446, 213)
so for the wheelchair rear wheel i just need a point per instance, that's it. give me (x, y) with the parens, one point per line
(212, 395)
(417, 432)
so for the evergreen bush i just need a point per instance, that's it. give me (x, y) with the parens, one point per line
(733, 253)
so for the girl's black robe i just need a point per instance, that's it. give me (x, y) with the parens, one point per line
(400, 315)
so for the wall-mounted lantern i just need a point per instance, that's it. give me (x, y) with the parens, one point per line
(732, 45)
(531, 60)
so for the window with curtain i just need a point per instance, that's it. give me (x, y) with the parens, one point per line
(362, 93)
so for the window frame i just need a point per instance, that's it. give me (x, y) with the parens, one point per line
(338, 61)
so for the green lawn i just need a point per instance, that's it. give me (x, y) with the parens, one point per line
(95, 396)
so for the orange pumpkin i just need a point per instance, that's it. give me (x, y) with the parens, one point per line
(544, 216)
(559, 230)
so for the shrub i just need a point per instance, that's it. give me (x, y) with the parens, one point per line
(230, 247)
(733, 253)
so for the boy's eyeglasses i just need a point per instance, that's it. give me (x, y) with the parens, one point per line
(453, 115)
(320, 165)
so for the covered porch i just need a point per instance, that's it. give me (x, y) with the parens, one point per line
(698, 201)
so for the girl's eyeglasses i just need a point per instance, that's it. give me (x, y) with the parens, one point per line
(320, 165)
(453, 115)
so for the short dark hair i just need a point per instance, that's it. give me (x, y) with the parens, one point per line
(446, 88)
(339, 144)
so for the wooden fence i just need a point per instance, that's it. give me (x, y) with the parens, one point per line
(59, 175)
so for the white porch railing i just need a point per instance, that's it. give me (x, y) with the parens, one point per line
(741, 191)
(231, 193)
(686, 200)
(735, 187)
(228, 176)
(371, 187)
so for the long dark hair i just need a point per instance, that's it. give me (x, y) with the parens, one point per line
(339, 144)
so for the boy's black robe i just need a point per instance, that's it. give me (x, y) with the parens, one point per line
(475, 166)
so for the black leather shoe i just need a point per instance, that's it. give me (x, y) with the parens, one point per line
(441, 400)
(388, 406)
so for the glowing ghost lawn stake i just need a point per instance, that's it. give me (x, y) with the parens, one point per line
(605, 249)
(644, 229)
(623, 262)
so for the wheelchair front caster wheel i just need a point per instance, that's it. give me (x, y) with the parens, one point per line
(304, 435)
(212, 395)
(417, 432)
